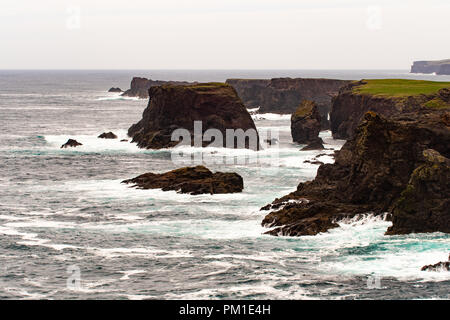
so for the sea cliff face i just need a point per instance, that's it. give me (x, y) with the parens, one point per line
(389, 165)
(283, 95)
(305, 123)
(139, 86)
(173, 107)
(439, 67)
(355, 99)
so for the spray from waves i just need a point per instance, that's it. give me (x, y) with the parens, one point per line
(113, 97)
(271, 116)
(359, 247)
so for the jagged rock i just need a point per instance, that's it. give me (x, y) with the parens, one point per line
(139, 86)
(171, 107)
(115, 90)
(370, 173)
(124, 140)
(424, 204)
(192, 180)
(107, 135)
(71, 143)
(440, 266)
(315, 145)
(305, 123)
(313, 162)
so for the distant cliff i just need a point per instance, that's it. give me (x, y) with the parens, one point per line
(139, 86)
(439, 67)
(283, 95)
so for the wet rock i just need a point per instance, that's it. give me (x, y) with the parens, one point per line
(192, 180)
(107, 135)
(115, 90)
(440, 266)
(315, 145)
(71, 143)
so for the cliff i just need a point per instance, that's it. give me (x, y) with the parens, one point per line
(283, 95)
(397, 165)
(172, 107)
(387, 97)
(139, 86)
(439, 67)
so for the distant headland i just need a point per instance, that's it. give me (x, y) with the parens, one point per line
(441, 67)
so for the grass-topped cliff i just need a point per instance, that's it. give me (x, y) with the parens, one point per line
(387, 97)
(399, 87)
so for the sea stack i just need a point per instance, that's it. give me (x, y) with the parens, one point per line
(305, 124)
(213, 105)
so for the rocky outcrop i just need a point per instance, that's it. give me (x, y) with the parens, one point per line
(438, 67)
(115, 90)
(350, 106)
(305, 123)
(107, 135)
(71, 143)
(139, 86)
(424, 205)
(370, 174)
(315, 145)
(192, 180)
(173, 107)
(440, 266)
(283, 95)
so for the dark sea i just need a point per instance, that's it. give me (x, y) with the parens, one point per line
(70, 230)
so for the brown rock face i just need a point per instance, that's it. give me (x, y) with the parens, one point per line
(192, 180)
(283, 95)
(172, 107)
(305, 123)
(139, 86)
(370, 174)
(71, 143)
(348, 108)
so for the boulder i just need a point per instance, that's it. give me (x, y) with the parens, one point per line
(192, 180)
(71, 143)
(115, 90)
(315, 145)
(373, 169)
(214, 105)
(107, 135)
(305, 123)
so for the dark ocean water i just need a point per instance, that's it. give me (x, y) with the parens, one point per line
(64, 216)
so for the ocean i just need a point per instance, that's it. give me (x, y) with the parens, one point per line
(70, 230)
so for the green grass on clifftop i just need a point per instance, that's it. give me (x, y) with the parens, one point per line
(399, 87)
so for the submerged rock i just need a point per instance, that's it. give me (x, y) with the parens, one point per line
(440, 266)
(215, 105)
(305, 123)
(107, 135)
(192, 180)
(71, 143)
(370, 174)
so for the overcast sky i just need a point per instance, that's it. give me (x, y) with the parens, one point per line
(227, 34)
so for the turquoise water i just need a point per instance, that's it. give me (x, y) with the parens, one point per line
(62, 208)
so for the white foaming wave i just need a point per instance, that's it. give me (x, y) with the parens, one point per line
(150, 253)
(401, 257)
(128, 273)
(271, 116)
(113, 97)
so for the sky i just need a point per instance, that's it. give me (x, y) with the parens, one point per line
(227, 34)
